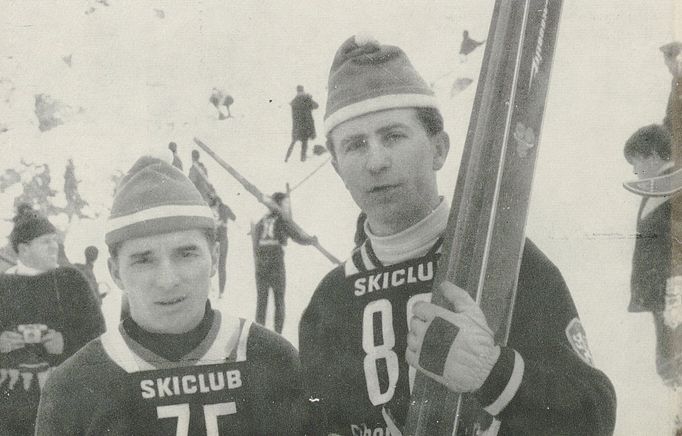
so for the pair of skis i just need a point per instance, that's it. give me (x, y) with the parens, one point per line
(485, 234)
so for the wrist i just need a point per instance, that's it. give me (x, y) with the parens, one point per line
(503, 381)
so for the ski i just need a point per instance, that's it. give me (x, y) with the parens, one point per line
(485, 234)
(659, 186)
(262, 198)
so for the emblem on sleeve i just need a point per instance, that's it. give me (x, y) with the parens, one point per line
(578, 339)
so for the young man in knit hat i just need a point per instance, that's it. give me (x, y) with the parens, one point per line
(361, 335)
(47, 313)
(176, 365)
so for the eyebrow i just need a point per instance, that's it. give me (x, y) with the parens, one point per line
(381, 131)
(141, 254)
(352, 138)
(391, 127)
(188, 247)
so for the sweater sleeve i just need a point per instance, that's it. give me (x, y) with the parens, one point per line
(83, 316)
(317, 351)
(544, 381)
(279, 390)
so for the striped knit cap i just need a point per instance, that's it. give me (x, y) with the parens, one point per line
(155, 197)
(368, 77)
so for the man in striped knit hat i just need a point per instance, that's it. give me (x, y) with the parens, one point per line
(175, 365)
(386, 136)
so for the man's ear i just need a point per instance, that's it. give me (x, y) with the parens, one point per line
(114, 272)
(335, 164)
(441, 146)
(21, 249)
(214, 258)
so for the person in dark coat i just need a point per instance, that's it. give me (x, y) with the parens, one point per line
(652, 288)
(198, 174)
(303, 125)
(47, 313)
(87, 269)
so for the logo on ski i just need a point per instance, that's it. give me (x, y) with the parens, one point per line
(537, 57)
(525, 139)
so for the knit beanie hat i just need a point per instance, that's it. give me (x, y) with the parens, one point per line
(368, 77)
(155, 197)
(28, 225)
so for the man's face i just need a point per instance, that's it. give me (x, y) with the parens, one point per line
(40, 253)
(388, 163)
(167, 278)
(646, 167)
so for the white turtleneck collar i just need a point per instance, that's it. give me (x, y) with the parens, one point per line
(412, 242)
(23, 270)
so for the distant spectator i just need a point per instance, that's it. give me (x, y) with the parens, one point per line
(303, 124)
(271, 234)
(91, 253)
(672, 56)
(199, 176)
(652, 289)
(467, 46)
(47, 313)
(222, 213)
(177, 163)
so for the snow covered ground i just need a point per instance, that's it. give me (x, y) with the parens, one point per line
(133, 75)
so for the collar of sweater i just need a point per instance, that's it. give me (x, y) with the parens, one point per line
(412, 242)
(23, 270)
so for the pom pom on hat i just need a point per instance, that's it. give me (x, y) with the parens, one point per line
(366, 76)
(155, 197)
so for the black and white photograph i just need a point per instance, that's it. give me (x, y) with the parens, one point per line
(340, 217)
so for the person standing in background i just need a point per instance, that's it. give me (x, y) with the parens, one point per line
(177, 163)
(271, 234)
(198, 174)
(47, 313)
(303, 124)
(222, 213)
(91, 253)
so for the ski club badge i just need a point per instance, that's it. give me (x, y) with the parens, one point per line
(578, 339)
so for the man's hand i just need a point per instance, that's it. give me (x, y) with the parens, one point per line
(454, 348)
(672, 55)
(10, 341)
(53, 341)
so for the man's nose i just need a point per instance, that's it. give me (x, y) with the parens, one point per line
(378, 156)
(166, 274)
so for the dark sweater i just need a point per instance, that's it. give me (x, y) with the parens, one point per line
(651, 257)
(61, 300)
(560, 392)
(241, 377)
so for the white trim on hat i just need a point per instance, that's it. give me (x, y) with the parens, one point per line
(383, 102)
(165, 211)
